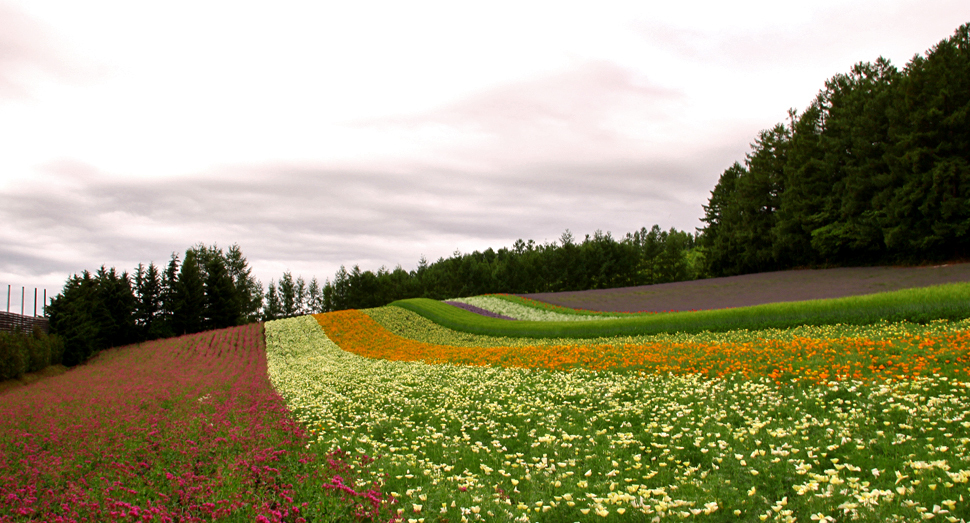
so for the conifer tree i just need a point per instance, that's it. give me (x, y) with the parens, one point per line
(148, 290)
(273, 309)
(164, 323)
(249, 291)
(188, 317)
(221, 301)
(288, 295)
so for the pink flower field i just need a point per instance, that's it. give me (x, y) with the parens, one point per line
(182, 429)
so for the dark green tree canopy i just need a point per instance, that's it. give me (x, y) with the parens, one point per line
(875, 171)
(209, 289)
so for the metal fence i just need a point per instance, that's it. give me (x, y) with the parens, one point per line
(10, 322)
(24, 322)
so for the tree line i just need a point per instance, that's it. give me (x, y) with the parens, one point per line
(875, 171)
(599, 261)
(208, 289)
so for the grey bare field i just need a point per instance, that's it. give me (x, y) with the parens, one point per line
(757, 289)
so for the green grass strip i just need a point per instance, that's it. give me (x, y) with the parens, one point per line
(920, 305)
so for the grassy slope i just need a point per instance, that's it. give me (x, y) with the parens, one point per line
(924, 304)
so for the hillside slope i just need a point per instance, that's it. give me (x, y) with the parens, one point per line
(757, 289)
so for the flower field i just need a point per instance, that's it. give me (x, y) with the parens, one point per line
(384, 415)
(936, 349)
(184, 429)
(494, 442)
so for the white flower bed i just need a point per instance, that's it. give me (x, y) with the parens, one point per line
(523, 312)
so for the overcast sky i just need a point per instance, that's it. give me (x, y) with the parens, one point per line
(316, 134)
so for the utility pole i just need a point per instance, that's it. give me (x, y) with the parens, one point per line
(35, 302)
(23, 290)
(45, 303)
(8, 298)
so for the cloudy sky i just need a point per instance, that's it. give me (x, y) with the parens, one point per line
(316, 134)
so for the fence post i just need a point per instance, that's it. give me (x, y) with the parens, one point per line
(23, 294)
(8, 298)
(45, 303)
(35, 302)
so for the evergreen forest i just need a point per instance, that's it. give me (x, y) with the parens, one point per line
(208, 289)
(876, 170)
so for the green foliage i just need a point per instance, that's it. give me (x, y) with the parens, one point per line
(248, 290)
(148, 295)
(92, 313)
(915, 305)
(14, 355)
(598, 262)
(875, 171)
(210, 289)
(293, 297)
(21, 353)
(190, 296)
(222, 306)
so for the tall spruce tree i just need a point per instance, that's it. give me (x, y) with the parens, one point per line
(249, 291)
(188, 317)
(273, 308)
(148, 291)
(288, 295)
(165, 322)
(222, 307)
(722, 215)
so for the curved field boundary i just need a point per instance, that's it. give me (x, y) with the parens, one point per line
(951, 302)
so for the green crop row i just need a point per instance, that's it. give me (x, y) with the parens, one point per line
(411, 325)
(949, 302)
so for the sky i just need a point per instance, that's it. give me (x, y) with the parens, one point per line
(320, 134)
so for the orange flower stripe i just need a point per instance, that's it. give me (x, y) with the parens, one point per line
(795, 360)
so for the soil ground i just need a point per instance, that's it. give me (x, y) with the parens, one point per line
(756, 289)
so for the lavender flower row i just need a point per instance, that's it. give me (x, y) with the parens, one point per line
(478, 310)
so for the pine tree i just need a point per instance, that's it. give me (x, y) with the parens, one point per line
(221, 301)
(287, 295)
(249, 291)
(190, 296)
(273, 309)
(148, 290)
(164, 326)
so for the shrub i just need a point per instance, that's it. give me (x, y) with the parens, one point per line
(13, 355)
(20, 353)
